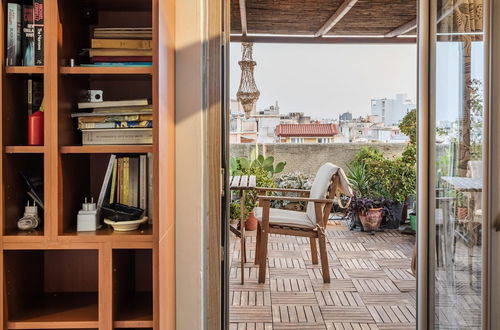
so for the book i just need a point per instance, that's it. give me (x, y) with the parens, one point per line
(28, 36)
(34, 95)
(126, 182)
(104, 104)
(150, 187)
(119, 52)
(113, 183)
(143, 183)
(106, 119)
(13, 34)
(105, 188)
(125, 59)
(135, 108)
(122, 33)
(133, 181)
(38, 28)
(121, 64)
(116, 124)
(119, 137)
(122, 43)
(106, 114)
(119, 180)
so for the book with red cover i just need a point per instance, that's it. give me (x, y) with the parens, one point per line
(97, 59)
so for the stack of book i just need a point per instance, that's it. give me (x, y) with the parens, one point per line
(115, 122)
(25, 34)
(121, 46)
(128, 181)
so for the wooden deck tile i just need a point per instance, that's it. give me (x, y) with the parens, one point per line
(371, 288)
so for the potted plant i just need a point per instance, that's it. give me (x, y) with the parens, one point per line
(368, 211)
(296, 180)
(264, 169)
(366, 206)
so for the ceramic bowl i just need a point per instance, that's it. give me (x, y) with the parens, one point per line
(125, 225)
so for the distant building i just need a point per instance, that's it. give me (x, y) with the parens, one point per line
(346, 116)
(391, 111)
(306, 133)
(295, 118)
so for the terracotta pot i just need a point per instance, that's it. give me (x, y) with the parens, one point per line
(251, 223)
(371, 219)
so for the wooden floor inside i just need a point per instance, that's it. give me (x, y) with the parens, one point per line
(371, 288)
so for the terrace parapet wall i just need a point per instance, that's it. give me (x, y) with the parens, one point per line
(307, 158)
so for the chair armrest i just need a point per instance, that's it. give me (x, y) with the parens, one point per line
(294, 199)
(283, 190)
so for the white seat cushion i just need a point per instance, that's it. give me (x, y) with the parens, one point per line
(286, 218)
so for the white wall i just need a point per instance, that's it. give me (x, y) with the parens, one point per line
(190, 162)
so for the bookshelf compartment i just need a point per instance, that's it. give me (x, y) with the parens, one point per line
(132, 288)
(80, 17)
(91, 169)
(51, 288)
(115, 87)
(16, 108)
(16, 190)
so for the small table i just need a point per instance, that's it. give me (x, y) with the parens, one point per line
(242, 184)
(471, 185)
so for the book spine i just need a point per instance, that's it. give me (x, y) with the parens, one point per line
(113, 183)
(131, 59)
(150, 187)
(38, 26)
(13, 34)
(113, 136)
(122, 43)
(143, 185)
(30, 96)
(119, 194)
(116, 124)
(106, 181)
(126, 181)
(28, 37)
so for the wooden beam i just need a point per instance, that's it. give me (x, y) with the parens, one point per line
(402, 29)
(243, 17)
(323, 40)
(336, 17)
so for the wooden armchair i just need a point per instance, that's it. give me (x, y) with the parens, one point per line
(329, 180)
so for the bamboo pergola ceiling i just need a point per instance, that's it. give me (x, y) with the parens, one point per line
(324, 19)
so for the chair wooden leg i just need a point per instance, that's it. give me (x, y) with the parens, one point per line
(263, 257)
(257, 244)
(324, 258)
(314, 250)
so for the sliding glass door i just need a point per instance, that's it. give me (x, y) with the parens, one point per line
(456, 110)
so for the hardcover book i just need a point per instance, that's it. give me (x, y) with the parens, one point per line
(13, 34)
(38, 26)
(105, 104)
(117, 136)
(122, 43)
(28, 41)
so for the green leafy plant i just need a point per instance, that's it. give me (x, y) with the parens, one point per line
(263, 169)
(359, 178)
(239, 165)
(408, 125)
(295, 180)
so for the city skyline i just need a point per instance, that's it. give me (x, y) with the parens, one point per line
(325, 81)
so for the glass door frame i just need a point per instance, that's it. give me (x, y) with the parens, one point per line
(426, 104)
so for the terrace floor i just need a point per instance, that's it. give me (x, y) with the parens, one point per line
(372, 286)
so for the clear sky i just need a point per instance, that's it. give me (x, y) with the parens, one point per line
(328, 79)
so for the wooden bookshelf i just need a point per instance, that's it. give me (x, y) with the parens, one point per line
(24, 70)
(55, 277)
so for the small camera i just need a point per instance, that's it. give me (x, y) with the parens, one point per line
(95, 95)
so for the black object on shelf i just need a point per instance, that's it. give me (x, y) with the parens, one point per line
(121, 212)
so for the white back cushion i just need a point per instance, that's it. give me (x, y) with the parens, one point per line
(319, 187)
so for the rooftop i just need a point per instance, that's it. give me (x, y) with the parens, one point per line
(306, 130)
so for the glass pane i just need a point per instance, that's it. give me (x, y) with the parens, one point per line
(459, 134)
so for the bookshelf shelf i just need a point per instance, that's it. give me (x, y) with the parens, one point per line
(106, 149)
(143, 234)
(147, 70)
(24, 70)
(24, 149)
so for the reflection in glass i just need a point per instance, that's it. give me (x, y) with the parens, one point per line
(459, 128)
